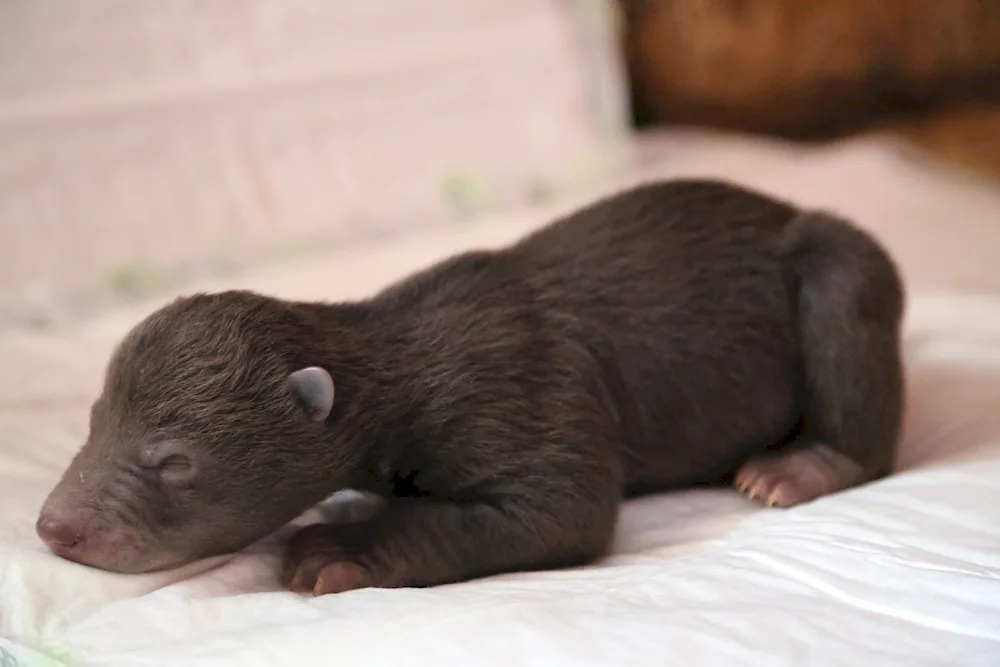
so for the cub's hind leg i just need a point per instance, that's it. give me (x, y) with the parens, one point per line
(850, 308)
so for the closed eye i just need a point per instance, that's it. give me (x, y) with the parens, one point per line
(177, 470)
(175, 463)
(172, 466)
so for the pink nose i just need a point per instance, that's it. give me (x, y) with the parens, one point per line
(60, 533)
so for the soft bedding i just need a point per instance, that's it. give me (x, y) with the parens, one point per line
(905, 571)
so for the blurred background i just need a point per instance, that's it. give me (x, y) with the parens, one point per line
(147, 146)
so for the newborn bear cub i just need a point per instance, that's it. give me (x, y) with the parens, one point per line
(502, 402)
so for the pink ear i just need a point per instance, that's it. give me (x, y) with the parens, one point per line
(312, 388)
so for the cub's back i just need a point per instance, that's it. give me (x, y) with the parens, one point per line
(677, 295)
(656, 243)
(680, 291)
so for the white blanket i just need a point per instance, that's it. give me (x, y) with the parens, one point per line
(905, 571)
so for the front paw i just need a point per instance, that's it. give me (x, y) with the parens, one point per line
(318, 560)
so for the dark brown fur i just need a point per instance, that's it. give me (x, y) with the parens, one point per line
(501, 402)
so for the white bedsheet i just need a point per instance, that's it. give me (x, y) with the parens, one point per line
(905, 571)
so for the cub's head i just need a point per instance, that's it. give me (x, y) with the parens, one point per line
(209, 433)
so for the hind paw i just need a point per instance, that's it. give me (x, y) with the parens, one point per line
(789, 478)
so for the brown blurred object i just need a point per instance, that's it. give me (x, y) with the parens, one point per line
(969, 136)
(822, 69)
